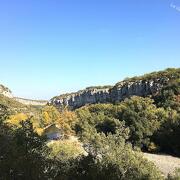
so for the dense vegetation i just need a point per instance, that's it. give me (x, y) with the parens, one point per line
(99, 87)
(139, 115)
(170, 73)
(150, 121)
(111, 138)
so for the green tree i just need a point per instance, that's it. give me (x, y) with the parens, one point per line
(94, 120)
(142, 117)
(4, 113)
(168, 135)
(111, 158)
(6, 145)
(169, 96)
(24, 157)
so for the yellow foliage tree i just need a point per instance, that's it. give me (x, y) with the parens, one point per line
(17, 118)
(66, 121)
(49, 115)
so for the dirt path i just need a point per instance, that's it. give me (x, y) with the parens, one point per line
(166, 164)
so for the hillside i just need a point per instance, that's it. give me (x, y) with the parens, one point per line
(149, 84)
(6, 92)
(31, 101)
(19, 105)
(101, 136)
(10, 102)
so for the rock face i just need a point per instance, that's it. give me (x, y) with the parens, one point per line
(114, 94)
(81, 98)
(31, 102)
(142, 88)
(5, 91)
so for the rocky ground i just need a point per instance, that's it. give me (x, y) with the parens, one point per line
(166, 163)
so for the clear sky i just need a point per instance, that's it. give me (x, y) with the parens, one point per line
(48, 47)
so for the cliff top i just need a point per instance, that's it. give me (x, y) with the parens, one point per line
(170, 73)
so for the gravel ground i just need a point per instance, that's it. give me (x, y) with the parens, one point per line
(166, 164)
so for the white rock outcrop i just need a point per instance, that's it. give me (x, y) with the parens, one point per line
(5, 91)
(114, 94)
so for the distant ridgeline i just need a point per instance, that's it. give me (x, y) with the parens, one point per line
(147, 85)
(4, 91)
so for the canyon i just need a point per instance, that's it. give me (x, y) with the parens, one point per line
(144, 86)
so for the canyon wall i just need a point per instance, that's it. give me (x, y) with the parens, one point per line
(81, 98)
(113, 94)
(31, 102)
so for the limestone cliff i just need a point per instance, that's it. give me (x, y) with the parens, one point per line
(113, 94)
(81, 98)
(142, 88)
(31, 102)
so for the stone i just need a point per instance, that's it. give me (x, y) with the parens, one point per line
(5, 91)
(119, 92)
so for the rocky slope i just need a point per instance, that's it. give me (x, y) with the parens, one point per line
(31, 102)
(8, 93)
(5, 91)
(146, 85)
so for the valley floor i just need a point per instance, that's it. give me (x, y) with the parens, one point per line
(166, 163)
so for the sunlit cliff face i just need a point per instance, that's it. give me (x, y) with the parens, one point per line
(117, 93)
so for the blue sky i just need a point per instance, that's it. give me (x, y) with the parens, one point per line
(48, 47)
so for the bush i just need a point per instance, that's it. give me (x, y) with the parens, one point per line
(111, 158)
(167, 137)
(143, 119)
